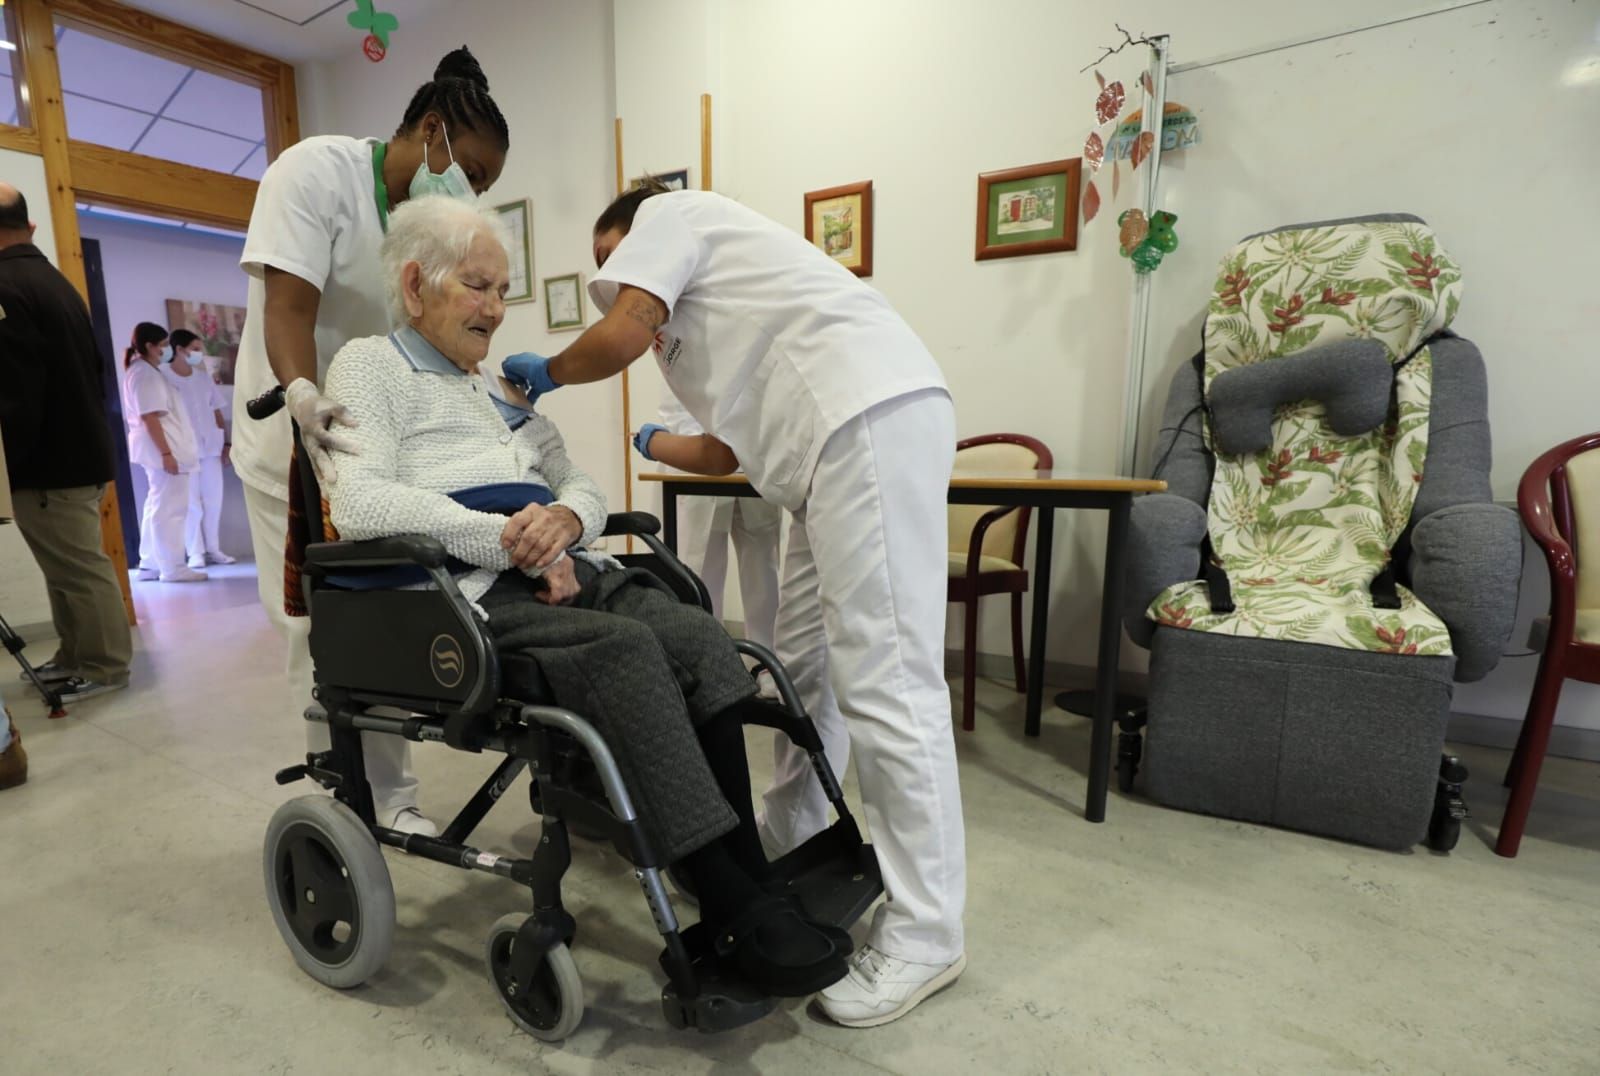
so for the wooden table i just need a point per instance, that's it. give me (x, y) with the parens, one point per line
(1044, 491)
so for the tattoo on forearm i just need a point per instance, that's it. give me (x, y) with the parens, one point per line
(644, 311)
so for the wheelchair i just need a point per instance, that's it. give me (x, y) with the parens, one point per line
(420, 664)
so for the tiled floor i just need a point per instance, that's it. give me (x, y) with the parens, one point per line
(135, 938)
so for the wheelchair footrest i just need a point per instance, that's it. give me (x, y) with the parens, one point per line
(723, 1002)
(834, 874)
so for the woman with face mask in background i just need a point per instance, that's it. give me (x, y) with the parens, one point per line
(202, 403)
(161, 441)
(316, 283)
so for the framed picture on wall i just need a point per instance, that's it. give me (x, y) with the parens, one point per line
(1031, 210)
(219, 328)
(563, 302)
(673, 181)
(839, 223)
(518, 217)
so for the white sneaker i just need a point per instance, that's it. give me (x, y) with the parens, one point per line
(879, 988)
(408, 819)
(220, 558)
(766, 686)
(197, 563)
(146, 575)
(184, 575)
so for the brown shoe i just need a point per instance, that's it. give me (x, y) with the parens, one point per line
(13, 762)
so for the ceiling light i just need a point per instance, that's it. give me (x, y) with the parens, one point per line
(4, 44)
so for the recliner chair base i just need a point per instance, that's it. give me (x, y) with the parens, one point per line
(1337, 742)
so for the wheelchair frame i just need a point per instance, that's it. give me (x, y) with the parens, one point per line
(835, 872)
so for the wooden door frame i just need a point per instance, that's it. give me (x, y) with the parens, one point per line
(80, 170)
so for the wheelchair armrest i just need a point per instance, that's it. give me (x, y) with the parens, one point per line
(402, 549)
(1165, 534)
(635, 523)
(1466, 565)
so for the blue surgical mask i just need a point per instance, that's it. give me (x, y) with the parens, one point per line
(452, 182)
(166, 354)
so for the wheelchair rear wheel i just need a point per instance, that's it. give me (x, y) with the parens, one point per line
(551, 1006)
(329, 890)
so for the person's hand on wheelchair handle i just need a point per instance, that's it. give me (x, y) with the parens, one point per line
(537, 535)
(560, 583)
(316, 415)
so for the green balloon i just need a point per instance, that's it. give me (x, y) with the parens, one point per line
(1146, 257)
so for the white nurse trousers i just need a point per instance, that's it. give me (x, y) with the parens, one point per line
(166, 503)
(705, 525)
(861, 630)
(388, 758)
(205, 508)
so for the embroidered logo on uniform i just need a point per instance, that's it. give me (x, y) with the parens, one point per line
(667, 348)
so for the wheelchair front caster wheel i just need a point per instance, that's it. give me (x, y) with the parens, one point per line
(550, 1007)
(329, 890)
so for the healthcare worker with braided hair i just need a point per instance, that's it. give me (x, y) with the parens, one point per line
(316, 282)
(807, 378)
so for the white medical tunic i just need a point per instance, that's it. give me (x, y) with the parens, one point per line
(769, 342)
(315, 216)
(201, 402)
(146, 391)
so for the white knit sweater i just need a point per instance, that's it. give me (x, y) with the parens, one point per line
(424, 433)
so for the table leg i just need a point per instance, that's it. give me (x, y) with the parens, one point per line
(1105, 681)
(669, 516)
(1044, 542)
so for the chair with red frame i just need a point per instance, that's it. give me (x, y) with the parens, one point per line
(987, 546)
(1559, 498)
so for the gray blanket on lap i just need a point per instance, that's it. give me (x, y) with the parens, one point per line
(643, 668)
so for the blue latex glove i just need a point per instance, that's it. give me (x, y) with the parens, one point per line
(641, 440)
(530, 373)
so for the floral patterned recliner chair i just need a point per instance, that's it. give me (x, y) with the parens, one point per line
(1327, 560)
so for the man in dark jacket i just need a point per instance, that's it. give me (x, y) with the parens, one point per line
(58, 452)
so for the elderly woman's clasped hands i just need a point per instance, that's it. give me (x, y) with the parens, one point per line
(538, 537)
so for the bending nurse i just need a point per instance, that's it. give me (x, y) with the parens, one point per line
(838, 413)
(316, 282)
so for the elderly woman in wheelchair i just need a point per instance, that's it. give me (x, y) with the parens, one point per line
(464, 538)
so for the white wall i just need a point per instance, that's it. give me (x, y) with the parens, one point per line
(22, 595)
(147, 264)
(550, 70)
(917, 99)
(920, 99)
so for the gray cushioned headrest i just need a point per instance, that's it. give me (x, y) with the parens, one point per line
(1351, 378)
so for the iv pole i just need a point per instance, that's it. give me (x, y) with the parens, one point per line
(1082, 702)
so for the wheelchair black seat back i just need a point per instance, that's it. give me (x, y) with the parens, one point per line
(419, 663)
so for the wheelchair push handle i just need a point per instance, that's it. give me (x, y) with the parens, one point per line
(266, 405)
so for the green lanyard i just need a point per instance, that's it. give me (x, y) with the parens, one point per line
(379, 190)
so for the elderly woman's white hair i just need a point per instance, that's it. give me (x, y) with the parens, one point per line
(436, 232)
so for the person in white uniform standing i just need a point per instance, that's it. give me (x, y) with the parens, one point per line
(838, 413)
(161, 441)
(316, 282)
(202, 403)
(754, 526)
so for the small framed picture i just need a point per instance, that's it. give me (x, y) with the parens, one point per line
(673, 181)
(563, 302)
(518, 217)
(839, 223)
(1032, 210)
